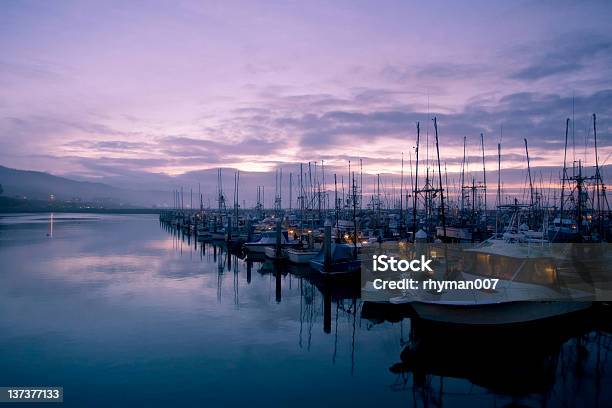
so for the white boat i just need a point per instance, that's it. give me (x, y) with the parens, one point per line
(301, 256)
(343, 260)
(496, 314)
(270, 252)
(455, 233)
(268, 238)
(526, 289)
(218, 235)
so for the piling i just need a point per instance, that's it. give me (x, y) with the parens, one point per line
(327, 245)
(278, 238)
(228, 236)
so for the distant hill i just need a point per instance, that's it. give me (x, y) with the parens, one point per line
(38, 185)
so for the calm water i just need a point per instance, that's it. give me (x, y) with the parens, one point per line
(122, 312)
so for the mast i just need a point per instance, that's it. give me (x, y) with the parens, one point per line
(597, 178)
(463, 177)
(498, 187)
(354, 219)
(411, 179)
(416, 184)
(378, 201)
(402, 197)
(360, 183)
(336, 206)
(301, 202)
(325, 202)
(564, 173)
(237, 195)
(440, 179)
(579, 186)
(280, 191)
(446, 182)
(484, 174)
(529, 173)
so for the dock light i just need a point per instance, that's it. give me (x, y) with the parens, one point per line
(310, 231)
(364, 242)
(346, 236)
(551, 272)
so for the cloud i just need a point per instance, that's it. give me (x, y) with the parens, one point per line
(565, 54)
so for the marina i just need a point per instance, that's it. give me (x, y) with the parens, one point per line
(295, 204)
(123, 302)
(331, 229)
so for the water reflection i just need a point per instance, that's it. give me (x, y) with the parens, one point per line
(548, 363)
(124, 302)
(552, 363)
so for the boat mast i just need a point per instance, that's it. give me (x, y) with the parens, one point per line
(336, 207)
(440, 179)
(324, 193)
(402, 197)
(301, 202)
(360, 183)
(529, 173)
(484, 174)
(354, 219)
(411, 179)
(463, 178)
(564, 174)
(416, 183)
(378, 202)
(498, 187)
(597, 177)
(237, 197)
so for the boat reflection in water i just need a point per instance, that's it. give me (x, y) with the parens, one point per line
(553, 362)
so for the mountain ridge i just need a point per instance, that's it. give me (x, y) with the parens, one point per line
(40, 185)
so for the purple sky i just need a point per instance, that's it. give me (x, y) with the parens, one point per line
(121, 91)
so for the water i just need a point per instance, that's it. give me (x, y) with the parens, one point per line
(122, 312)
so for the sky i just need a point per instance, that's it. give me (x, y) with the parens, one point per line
(150, 93)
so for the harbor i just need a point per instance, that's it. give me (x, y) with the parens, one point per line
(156, 305)
(294, 204)
(547, 239)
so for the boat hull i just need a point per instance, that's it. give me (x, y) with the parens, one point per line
(336, 268)
(261, 248)
(271, 253)
(497, 314)
(217, 236)
(301, 257)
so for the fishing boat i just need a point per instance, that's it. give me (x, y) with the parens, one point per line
(342, 260)
(218, 235)
(268, 238)
(270, 252)
(301, 255)
(564, 230)
(527, 288)
(204, 236)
